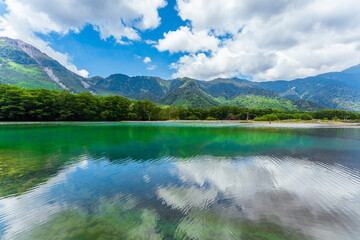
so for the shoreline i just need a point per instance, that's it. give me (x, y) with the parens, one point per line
(288, 123)
(264, 123)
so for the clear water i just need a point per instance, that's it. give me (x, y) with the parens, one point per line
(178, 181)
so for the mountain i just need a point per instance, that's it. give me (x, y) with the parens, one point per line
(232, 88)
(140, 88)
(178, 92)
(244, 93)
(188, 94)
(25, 66)
(194, 93)
(336, 90)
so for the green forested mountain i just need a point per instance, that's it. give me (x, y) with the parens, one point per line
(193, 93)
(337, 90)
(139, 88)
(23, 65)
(188, 94)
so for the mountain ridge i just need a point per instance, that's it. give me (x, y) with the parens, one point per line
(24, 65)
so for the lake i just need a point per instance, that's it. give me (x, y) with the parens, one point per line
(179, 181)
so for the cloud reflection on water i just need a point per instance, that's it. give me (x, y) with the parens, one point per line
(320, 200)
(209, 195)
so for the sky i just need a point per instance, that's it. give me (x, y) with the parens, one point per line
(261, 40)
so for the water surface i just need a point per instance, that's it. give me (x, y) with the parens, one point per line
(178, 181)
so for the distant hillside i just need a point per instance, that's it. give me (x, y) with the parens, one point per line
(338, 90)
(232, 88)
(23, 65)
(188, 94)
(140, 88)
(193, 93)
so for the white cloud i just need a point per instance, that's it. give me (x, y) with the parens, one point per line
(117, 18)
(184, 40)
(82, 72)
(150, 42)
(147, 60)
(151, 67)
(121, 19)
(266, 39)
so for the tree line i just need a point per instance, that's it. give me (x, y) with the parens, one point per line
(18, 104)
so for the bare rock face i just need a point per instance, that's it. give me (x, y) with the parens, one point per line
(54, 77)
(33, 52)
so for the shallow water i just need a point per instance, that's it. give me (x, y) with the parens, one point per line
(178, 181)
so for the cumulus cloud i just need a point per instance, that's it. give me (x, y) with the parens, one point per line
(116, 18)
(184, 40)
(121, 19)
(266, 39)
(147, 60)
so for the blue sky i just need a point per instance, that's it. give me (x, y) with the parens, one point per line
(202, 39)
(2, 8)
(102, 58)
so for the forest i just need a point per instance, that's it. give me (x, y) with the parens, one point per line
(18, 104)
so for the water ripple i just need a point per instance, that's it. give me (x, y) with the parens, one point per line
(322, 199)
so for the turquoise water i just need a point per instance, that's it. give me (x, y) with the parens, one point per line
(179, 181)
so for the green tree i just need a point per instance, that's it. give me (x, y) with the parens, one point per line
(115, 108)
(66, 105)
(146, 110)
(41, 105)
(306, 116)
(87, 107)
(11, 103)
